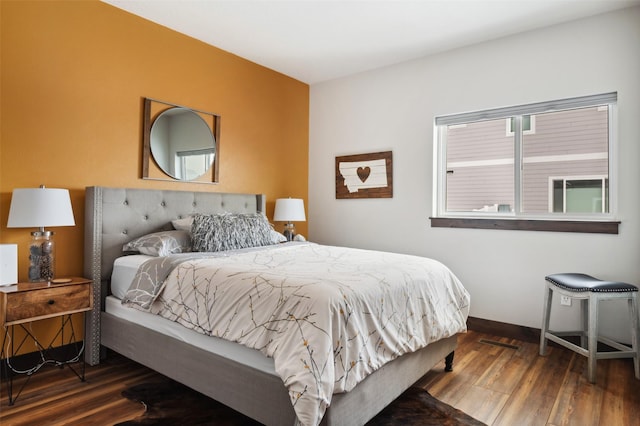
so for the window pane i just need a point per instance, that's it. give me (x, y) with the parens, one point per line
(580, 195)
(526, 123)
(558, 196)
(566, 144)
(480, 167)
(584, 196)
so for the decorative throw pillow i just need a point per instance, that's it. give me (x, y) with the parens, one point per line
(160, 243)
(229, 231)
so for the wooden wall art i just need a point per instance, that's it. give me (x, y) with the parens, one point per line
(364, 175)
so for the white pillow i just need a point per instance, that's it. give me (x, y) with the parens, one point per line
(183, 224)
(277, 237)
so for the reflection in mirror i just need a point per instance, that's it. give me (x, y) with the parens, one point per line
(181, 141)
(192, 164)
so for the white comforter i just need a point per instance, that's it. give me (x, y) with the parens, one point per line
(328, 316)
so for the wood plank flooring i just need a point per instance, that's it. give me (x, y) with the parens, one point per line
(501, 386)
(498, 380)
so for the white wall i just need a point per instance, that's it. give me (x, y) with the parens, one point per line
(393, 109)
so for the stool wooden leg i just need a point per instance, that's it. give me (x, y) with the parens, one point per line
(593, 338)
(635, 325)
(546, 313)
(584, 317)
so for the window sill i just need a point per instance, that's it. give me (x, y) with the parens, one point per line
(596, 227)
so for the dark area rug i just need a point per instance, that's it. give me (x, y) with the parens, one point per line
(417, 407)
(170, 403)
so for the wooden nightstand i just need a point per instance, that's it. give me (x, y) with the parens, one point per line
(24, 303)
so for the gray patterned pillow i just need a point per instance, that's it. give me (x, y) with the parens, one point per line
(229, 231)
(160, 243)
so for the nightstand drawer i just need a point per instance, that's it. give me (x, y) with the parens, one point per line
(44, 303)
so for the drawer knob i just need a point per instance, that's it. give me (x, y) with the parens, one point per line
(51, 302)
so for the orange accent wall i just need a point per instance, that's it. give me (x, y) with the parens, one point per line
(73, 75)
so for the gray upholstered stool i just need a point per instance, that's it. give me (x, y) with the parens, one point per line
(590, 291)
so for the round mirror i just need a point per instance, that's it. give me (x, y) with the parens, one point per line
(182, 143)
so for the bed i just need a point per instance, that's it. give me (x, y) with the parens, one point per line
(238, 376)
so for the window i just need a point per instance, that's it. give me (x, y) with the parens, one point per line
(579, 194)
(193, 163)
(528, 125)
(554, 162)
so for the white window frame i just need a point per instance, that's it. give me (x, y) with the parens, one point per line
(207, 155)
(532, 125)
(552, 179)
(440, 157)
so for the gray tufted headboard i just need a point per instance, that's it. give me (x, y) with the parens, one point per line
(114, 216)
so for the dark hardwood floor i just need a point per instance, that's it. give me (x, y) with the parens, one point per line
(503, 381)
(498, 380)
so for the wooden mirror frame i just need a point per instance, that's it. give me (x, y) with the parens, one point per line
(151, 169)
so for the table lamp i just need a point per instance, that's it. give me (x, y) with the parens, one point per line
(289, 210)
(37, 208)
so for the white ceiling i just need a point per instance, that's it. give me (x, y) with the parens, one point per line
(318, 40)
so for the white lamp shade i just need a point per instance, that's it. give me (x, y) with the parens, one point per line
(40, 207)
(289, 210)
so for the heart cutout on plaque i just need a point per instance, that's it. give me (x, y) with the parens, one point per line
(363, 173)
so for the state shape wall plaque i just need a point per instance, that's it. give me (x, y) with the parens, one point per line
(364, 175)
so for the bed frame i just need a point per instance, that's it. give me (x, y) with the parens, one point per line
(114, 216)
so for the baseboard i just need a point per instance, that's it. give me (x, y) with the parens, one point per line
(511, 331)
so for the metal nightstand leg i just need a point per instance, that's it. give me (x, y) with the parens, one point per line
(45, 353)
